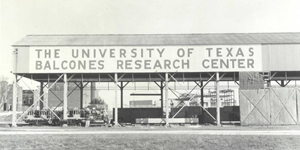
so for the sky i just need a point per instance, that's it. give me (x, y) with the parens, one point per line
(23, 17)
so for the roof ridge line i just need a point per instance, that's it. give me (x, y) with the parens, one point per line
(159, 34)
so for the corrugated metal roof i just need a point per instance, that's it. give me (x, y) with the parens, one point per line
(159, 39)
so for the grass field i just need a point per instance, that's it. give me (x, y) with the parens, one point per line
(149, 141)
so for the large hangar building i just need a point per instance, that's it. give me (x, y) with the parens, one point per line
(252, 60)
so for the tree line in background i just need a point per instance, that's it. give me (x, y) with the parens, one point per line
(6, 91)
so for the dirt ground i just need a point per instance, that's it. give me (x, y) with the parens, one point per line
(139, 141)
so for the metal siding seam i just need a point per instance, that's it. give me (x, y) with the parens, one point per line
(282, 57)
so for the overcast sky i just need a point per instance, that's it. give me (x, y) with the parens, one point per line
(22, 17)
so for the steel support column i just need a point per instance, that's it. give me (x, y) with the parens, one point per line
(202, 101)
(162, 97)
(282, 83)
(121, 91)
(14, 103)
(116, 99)
(81, 92)
(202, 96)
(81, 86)
(81, 95)
(218, 99)
(65, 110)
(93, 89)
(41, 94)
(167, 98)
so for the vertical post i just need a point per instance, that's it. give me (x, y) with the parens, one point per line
(282, 83)
(162, 97)
(202, 96)
(167, 98)
(14, 103)
(121, 88)
(65, 112)
(116, 99)
(297, 109)
(93, 90)
(202, 103)
(81, 95)
(269, 79)
(41, 93)
(218, 99)
(81, 92)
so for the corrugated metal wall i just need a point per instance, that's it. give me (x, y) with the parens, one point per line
(22, 60)
(281, 57)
